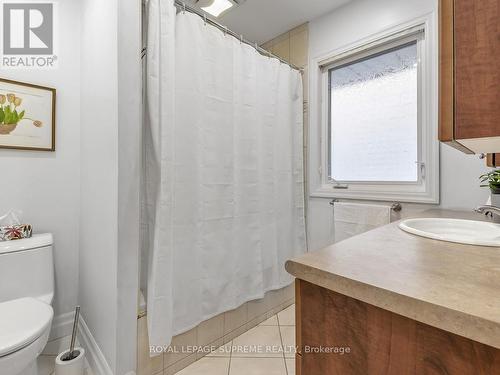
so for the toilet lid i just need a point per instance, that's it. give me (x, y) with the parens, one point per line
(22, 321)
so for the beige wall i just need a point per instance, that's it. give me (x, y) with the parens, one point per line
(291, 46)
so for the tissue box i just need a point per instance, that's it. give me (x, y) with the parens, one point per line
(15, 232)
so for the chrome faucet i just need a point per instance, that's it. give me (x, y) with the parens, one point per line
(488, 210)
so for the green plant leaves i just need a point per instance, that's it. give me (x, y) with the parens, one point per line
(493, 179)
(9, 116)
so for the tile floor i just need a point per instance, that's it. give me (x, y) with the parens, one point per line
(268, 349)
(47, 358)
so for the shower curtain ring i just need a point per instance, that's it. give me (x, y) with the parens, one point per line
(205, 18)
(225, 30)
(184, 7)
(241, 38)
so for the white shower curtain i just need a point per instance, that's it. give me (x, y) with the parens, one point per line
(224, 172)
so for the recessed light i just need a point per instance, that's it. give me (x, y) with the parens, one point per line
(217, 7)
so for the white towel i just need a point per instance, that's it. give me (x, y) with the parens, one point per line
(351, 219)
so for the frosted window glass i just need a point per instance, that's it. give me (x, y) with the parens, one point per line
(374, 118)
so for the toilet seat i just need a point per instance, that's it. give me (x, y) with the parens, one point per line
(22, 322)
(23, 362)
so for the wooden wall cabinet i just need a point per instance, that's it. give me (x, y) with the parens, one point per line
(493, 160)
(469, 98)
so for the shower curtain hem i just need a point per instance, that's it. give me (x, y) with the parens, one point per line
(252, 298)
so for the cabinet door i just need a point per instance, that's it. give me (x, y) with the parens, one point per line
(379, 341)
(447, 76)
(477, 68)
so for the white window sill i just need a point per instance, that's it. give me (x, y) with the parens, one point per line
(327, 191)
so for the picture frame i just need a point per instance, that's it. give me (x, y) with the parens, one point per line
(27, 116)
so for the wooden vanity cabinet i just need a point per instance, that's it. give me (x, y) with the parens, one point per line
(379, 341)
(469, 98)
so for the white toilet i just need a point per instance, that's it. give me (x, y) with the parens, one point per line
(26, 293)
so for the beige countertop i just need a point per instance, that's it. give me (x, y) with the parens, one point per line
(447, 285)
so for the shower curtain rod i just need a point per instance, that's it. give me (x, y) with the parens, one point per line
(184, 7)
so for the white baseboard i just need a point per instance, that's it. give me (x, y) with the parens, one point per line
(94, 355)
(61, 326)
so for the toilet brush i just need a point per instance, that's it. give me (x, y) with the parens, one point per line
(71, 353)
(71, 362)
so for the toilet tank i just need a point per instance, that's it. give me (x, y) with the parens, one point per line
(27, 268)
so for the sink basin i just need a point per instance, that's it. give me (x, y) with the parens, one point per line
(454, 230)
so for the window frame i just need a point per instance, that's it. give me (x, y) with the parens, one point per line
(426, 189)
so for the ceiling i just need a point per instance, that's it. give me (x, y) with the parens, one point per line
(262, 20)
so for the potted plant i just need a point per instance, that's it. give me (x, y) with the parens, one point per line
(491, 180)
(11, 113)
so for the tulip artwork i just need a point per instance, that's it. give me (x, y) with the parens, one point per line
(27, 116)
(11, 113)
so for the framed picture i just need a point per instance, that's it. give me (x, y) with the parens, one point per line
(27, 116)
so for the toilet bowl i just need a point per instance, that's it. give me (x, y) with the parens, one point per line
(25, 327)
(26, 293)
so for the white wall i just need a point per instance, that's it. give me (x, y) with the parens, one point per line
(45, 185)
(110, 118)
(355, 21)
(87, 192)
(129, 171)
(99, 173)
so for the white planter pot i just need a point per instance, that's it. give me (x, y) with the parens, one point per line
(495, 200)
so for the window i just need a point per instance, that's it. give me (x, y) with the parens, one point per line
(379, 120)
(374, 115)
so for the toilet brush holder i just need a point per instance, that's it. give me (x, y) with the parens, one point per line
(72, 361)
(67, 364)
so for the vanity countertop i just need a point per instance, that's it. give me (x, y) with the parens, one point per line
(447, 285)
